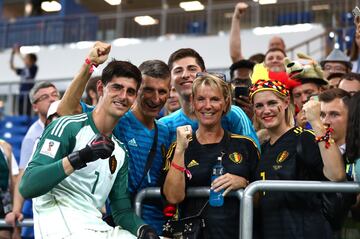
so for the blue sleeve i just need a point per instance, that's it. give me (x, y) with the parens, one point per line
(237, 122)
(86, 108)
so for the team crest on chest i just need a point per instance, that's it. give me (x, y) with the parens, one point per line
(192, 163)
(282, 157)
(236, 157)
(112, 164)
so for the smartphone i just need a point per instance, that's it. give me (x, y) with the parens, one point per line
(356, 13)
(241, 91)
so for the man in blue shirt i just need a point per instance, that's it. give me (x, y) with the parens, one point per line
(184, 64)
(136, 129)
(27, 77)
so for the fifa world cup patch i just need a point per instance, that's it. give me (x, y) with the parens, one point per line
(236, 157)
(112, 164)
(282, 156)
(50, 148)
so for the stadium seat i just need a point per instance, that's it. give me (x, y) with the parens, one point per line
(10, 121)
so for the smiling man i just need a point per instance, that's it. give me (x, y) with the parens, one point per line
(78, 164)
(184, 64)
(138, 130)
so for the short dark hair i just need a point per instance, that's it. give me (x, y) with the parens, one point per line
(155, 69)
(186, 52)
(91, 85)
(241, 64)
(257, 58)
(351, 76)
(335, 93)
(32, 57)
(37, 87)
(121, 69)
(353, 129)
(275, 49)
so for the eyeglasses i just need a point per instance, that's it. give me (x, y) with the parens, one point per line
(335, 68)
(222, 76)
(46, 97)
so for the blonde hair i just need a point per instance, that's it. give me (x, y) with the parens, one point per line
(215, 83)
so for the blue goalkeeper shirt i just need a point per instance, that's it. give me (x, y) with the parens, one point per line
(236, 121)
(138, 140)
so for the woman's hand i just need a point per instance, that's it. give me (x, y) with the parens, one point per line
(229, 182)
(183, 137)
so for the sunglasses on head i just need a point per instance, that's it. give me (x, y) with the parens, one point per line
(222, 76)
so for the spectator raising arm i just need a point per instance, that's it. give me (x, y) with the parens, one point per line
(70, 103)
(235, 41)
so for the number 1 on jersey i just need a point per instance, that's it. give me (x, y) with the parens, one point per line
(262, 175)
(96, 181)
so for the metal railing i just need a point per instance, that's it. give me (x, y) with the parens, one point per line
(154, 192)
(246, 208)
(24, 223)
(245, 197)
(45, 30)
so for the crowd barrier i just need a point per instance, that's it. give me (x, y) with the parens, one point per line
(245, 197)
(246, 208)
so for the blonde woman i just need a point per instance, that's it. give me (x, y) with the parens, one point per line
(195, 153)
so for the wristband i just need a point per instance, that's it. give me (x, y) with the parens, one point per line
(182, 169)
(88, 62)
(326, 138)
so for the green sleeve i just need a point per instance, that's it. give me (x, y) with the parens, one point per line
(45, 168)
(120, 203)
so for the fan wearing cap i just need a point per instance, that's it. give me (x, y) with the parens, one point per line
(289, 214)
(310, 77)
(336, 62)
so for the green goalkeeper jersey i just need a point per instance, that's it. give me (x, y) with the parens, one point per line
(63, 204)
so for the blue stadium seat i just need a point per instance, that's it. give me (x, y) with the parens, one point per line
(14, 140)
(14, 130)
(9, 121)
(295, 18)
(196, 27)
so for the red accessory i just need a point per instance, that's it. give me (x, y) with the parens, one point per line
(326, 138)
(88, 62)
(184, 170)
(169, 210)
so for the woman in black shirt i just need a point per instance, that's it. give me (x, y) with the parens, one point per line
(196, 153)
(291, 153)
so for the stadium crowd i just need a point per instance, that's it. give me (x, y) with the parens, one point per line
(166, 124)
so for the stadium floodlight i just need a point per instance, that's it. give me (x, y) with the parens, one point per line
(264, 2)
(146, 20)
(192, 6)
(113, 2)
(51, 6)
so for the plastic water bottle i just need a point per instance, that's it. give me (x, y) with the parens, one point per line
(216, 198)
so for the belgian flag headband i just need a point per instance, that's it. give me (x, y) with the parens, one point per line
(263, 80)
